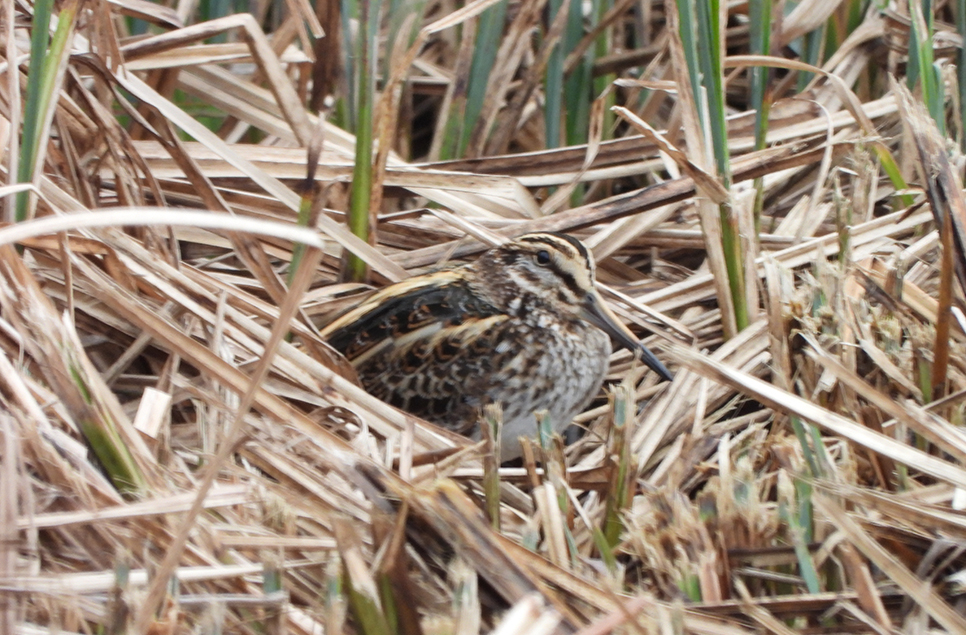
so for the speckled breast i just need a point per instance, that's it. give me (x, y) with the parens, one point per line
(564, 373)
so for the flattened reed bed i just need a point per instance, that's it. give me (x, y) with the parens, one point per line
(180, 452)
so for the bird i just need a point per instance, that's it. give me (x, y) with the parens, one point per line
(523, 326)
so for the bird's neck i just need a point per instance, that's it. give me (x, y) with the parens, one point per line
(508, 296)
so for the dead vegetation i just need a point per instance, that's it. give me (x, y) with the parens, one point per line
(182, 453)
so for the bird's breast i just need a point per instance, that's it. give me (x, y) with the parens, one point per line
(559, 371)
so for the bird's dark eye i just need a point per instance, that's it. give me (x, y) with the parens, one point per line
(543, 257)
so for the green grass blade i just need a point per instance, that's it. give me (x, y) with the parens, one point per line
(398, 13)
(102, 434)
(361, 190)
(710, 63)
(601, 84)
(298, 249)
(545, 432)
(914, 64)
(799, 427)
(577, 88)
(891, 168)
(39, 40)
(803, 496)
(488, 36)
(42, 81)
(759, 18)
(812, 45)
(369, 615)
(347, 107)
(577, 85)
(797, 534)
(605, 550)
(701, 33)
(922, 63)
(734, 259)
(688, 32)
(113, 456)
(553, 85)
(365, 594)
(449, 128)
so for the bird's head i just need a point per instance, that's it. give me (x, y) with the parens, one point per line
(555, 271)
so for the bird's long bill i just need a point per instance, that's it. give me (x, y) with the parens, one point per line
(595, 311)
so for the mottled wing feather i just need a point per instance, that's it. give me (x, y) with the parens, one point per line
(438, 340)
(444, 377)
(389, 314)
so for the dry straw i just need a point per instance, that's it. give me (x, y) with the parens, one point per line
(182, 453)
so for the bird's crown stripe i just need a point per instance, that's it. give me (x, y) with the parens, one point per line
(561, 242)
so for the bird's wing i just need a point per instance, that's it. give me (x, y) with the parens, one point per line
(443, 374)
(442, 298)
(425, 346)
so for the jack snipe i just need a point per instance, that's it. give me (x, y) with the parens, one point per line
(523, 326)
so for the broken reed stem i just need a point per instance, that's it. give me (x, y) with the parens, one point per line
(492, 431)
(944, 312)
(618, 452)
